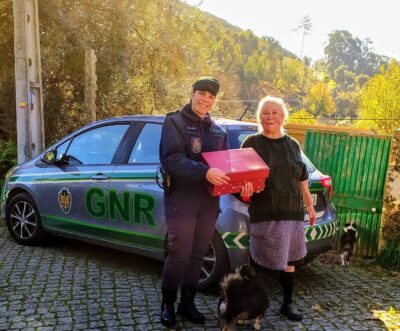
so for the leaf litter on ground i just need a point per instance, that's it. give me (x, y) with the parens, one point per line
(391, 318)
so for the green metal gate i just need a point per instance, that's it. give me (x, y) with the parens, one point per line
(357, 165)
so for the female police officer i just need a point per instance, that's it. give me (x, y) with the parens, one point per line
(190, 211)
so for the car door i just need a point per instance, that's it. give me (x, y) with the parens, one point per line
(74, 195)
(136, 208)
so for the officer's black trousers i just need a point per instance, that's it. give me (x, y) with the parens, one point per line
(190, 220)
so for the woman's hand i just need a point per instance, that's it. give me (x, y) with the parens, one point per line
(308, 201)
(217, 177)
(247, 191)
(312, 214)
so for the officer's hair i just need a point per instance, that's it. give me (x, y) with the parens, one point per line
(275, 100)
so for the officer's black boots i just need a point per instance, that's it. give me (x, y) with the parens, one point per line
(167, 307)
(187, 308)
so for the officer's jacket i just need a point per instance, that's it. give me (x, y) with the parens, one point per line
(184, 137)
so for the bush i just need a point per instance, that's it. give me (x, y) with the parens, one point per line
(8, 157)
(389, 256)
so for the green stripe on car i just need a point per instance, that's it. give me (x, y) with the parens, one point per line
(241, 240)
(107, 233)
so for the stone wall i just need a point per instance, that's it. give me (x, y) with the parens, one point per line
(390, 228)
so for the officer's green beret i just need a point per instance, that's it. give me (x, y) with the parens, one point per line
(208, 84)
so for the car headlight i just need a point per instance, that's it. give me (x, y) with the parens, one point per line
(10, 172)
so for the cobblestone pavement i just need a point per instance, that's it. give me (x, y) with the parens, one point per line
(69, 285)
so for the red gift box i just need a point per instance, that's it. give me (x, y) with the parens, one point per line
(240, 165)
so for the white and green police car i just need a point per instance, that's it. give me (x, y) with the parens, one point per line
(99, 184)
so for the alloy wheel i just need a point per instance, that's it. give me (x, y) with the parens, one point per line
(209, 262)
(23, 220)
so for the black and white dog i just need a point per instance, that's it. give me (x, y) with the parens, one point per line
(243, 297)
(347, 242)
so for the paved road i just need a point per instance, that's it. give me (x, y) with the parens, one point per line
(69, 285)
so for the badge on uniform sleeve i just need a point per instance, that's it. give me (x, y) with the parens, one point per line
(196, 145)
(65, 199)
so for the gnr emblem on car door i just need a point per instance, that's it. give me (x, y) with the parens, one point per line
(65, 199)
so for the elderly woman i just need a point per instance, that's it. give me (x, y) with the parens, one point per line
(277, 212)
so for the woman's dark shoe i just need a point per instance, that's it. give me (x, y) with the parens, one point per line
(291, 312)
(168, 317)
(187, 308)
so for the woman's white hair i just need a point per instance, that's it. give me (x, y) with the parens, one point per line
(275, 100)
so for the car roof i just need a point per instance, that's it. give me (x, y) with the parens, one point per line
(227, 124)
(129, 118)
(160, 119)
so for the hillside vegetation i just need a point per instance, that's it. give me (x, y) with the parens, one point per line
(149, 52)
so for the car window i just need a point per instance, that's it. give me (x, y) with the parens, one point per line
(98, 145)
(310, 167)
(236, 137)
(146, 149)
(62, 148)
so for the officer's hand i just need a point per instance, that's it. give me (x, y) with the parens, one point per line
(217, 177)
(247, 191)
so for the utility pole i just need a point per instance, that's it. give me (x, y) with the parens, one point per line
(28, 80)
(90, 86)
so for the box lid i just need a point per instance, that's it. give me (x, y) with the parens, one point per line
(237, 161)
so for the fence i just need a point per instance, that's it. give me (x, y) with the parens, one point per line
(357, 165)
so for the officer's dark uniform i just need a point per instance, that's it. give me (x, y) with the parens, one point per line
(190, 210)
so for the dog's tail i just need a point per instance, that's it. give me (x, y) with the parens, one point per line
(229, 282)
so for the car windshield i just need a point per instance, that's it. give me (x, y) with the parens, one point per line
(236, 138)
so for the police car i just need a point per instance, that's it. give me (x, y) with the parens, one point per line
(100, 184)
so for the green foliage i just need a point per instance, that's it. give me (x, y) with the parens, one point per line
(347, 103)
(7, 81)
(149, 52)
(350, 62)
(319, 100)
(143, 49)
(389, 256)
(350, 56)
(255, 61)
(303, 117)
(380, 99)
(8, 157)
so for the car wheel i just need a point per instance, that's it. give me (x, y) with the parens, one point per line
(23, 220)
(215, 263)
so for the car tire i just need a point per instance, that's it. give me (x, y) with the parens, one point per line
(215, 264)
(23, 220)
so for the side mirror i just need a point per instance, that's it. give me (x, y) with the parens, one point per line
(64, 159)
(50, 157)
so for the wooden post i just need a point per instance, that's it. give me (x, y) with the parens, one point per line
(390, 227)
(28, 80)
(90, 86)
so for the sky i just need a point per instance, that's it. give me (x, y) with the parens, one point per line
(377, 20)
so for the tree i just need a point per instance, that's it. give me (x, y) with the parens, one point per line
(303, 117)
(293, 78)
(145, 51)
(319, 100)
(7, 79)
(148, 54)
(347, 103)
(304, 28)
(380, 100)
(352, 54)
